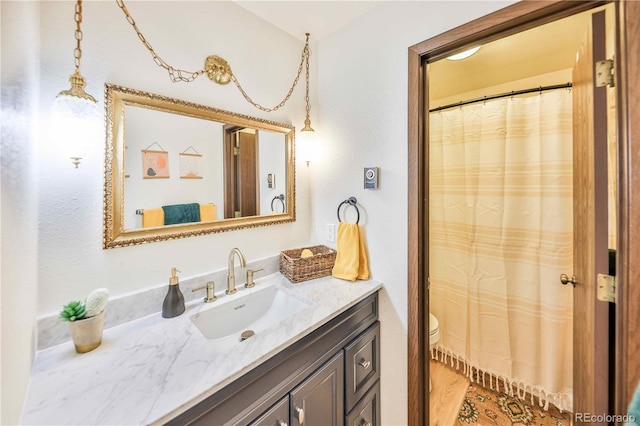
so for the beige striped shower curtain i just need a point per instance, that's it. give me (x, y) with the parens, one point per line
(500, 235)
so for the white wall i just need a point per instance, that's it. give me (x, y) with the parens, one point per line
(272, 152)
(71, 258)
(362, 98)
(19, 225)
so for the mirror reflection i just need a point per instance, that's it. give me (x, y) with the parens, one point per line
(176, 169)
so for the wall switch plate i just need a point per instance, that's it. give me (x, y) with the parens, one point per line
(330, 232)
(371, 177)
(271, 181)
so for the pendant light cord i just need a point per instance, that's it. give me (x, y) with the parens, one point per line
(180, 75)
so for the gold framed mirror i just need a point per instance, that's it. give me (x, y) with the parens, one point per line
(176, 169)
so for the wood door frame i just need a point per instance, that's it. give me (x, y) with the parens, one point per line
(228, 131)
(504, 22)
(230, 170)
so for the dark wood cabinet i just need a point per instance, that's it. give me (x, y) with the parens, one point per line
(329, 377)
(319, 400)
(367, 411)
(278, 415)
(362, 358)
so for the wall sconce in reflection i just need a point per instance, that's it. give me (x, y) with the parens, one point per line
(74, 108)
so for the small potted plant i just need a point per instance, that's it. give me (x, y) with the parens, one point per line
(86, 320)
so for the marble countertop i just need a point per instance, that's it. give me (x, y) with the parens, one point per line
(149, 370)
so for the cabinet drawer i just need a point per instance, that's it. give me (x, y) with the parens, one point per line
(362, 365)
(277, 415)
(367, 411)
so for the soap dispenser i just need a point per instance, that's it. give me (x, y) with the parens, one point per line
(173, 304)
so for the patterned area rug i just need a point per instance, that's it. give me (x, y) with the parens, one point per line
(486, 407)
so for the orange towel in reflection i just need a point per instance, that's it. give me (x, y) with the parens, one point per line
(152, 217)
(351, 259)
(207, 212)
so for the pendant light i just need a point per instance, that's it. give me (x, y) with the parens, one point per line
(74, 108)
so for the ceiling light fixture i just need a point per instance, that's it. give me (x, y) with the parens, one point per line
(464, 55)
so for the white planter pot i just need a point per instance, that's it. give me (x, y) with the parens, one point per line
(87, 333)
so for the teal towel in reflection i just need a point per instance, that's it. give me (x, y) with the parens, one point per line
(181, 213)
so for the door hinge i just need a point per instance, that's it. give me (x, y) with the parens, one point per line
(604, 73)
(607, 288)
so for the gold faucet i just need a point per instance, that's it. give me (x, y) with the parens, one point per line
(249, 283)
(210, 287)
(231, 277)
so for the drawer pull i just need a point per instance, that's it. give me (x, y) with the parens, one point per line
(364, 364)
(300, 415)
(281, 423)
(364, 422)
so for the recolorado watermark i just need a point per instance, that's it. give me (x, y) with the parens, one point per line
(603, 418)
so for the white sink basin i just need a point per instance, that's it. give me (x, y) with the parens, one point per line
(255, 311)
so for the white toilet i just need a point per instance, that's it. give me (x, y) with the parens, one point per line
(434, 335)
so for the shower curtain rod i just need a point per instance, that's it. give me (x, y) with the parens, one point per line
(504, 95)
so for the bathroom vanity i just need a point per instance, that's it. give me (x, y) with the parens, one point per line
(326, 378)
(319, 366)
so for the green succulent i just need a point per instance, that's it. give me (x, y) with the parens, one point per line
(73, 311)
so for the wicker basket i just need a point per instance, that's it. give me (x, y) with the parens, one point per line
(297, 269)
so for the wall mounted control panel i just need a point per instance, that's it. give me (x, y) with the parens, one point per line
(371, 177)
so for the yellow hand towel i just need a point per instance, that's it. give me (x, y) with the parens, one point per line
(363, 267)
(152, 217)
(351, 259)
(207, 212)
